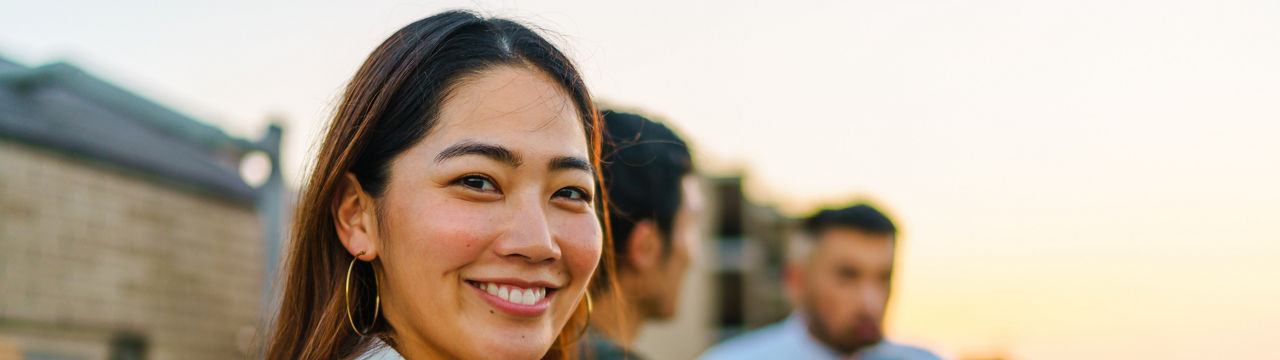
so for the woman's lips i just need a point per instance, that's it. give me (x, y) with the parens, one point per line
(521, 301)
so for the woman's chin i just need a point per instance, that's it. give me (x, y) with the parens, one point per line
(513, 341)
(514, 348)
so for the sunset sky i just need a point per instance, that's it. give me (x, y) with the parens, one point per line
(1076, 179)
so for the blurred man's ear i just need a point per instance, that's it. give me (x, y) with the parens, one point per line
(644, 247)
(793, 282)
(793, 272)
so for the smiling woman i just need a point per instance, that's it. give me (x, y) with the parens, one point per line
(451, 212)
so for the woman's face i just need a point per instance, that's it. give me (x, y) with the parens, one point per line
(487, 232)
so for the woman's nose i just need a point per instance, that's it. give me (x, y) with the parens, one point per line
(529, 237)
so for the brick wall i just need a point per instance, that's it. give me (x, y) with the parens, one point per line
(89, 252)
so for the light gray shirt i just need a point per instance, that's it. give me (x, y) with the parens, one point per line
(790, 339)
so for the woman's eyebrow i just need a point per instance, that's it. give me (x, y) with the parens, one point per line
(495, 152)
(570, 163)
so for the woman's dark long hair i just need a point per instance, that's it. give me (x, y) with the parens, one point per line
(391, 104)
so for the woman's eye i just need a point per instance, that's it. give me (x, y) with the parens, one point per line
(478, 183)
(573, 194)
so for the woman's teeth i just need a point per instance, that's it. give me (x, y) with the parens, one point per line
(514, 294)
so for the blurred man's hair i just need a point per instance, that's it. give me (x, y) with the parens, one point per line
(644, 164)
(862, 217)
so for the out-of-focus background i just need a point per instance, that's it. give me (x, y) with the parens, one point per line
(1075, 179)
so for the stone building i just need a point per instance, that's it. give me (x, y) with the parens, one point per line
(126, 229)
(750, 252)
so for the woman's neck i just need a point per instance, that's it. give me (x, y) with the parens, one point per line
(410, 347)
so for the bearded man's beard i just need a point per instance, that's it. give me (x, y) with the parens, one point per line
(862, 334)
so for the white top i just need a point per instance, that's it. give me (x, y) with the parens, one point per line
(790, 339)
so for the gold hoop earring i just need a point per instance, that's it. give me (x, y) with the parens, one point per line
(346, 298)
(588, 322)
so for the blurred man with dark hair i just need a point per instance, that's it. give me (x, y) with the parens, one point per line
(839, 277)
(655, 212)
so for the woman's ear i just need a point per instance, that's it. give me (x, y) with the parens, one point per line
(355, 219)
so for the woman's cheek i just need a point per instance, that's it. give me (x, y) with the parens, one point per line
(582, 244)
(449, 233)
